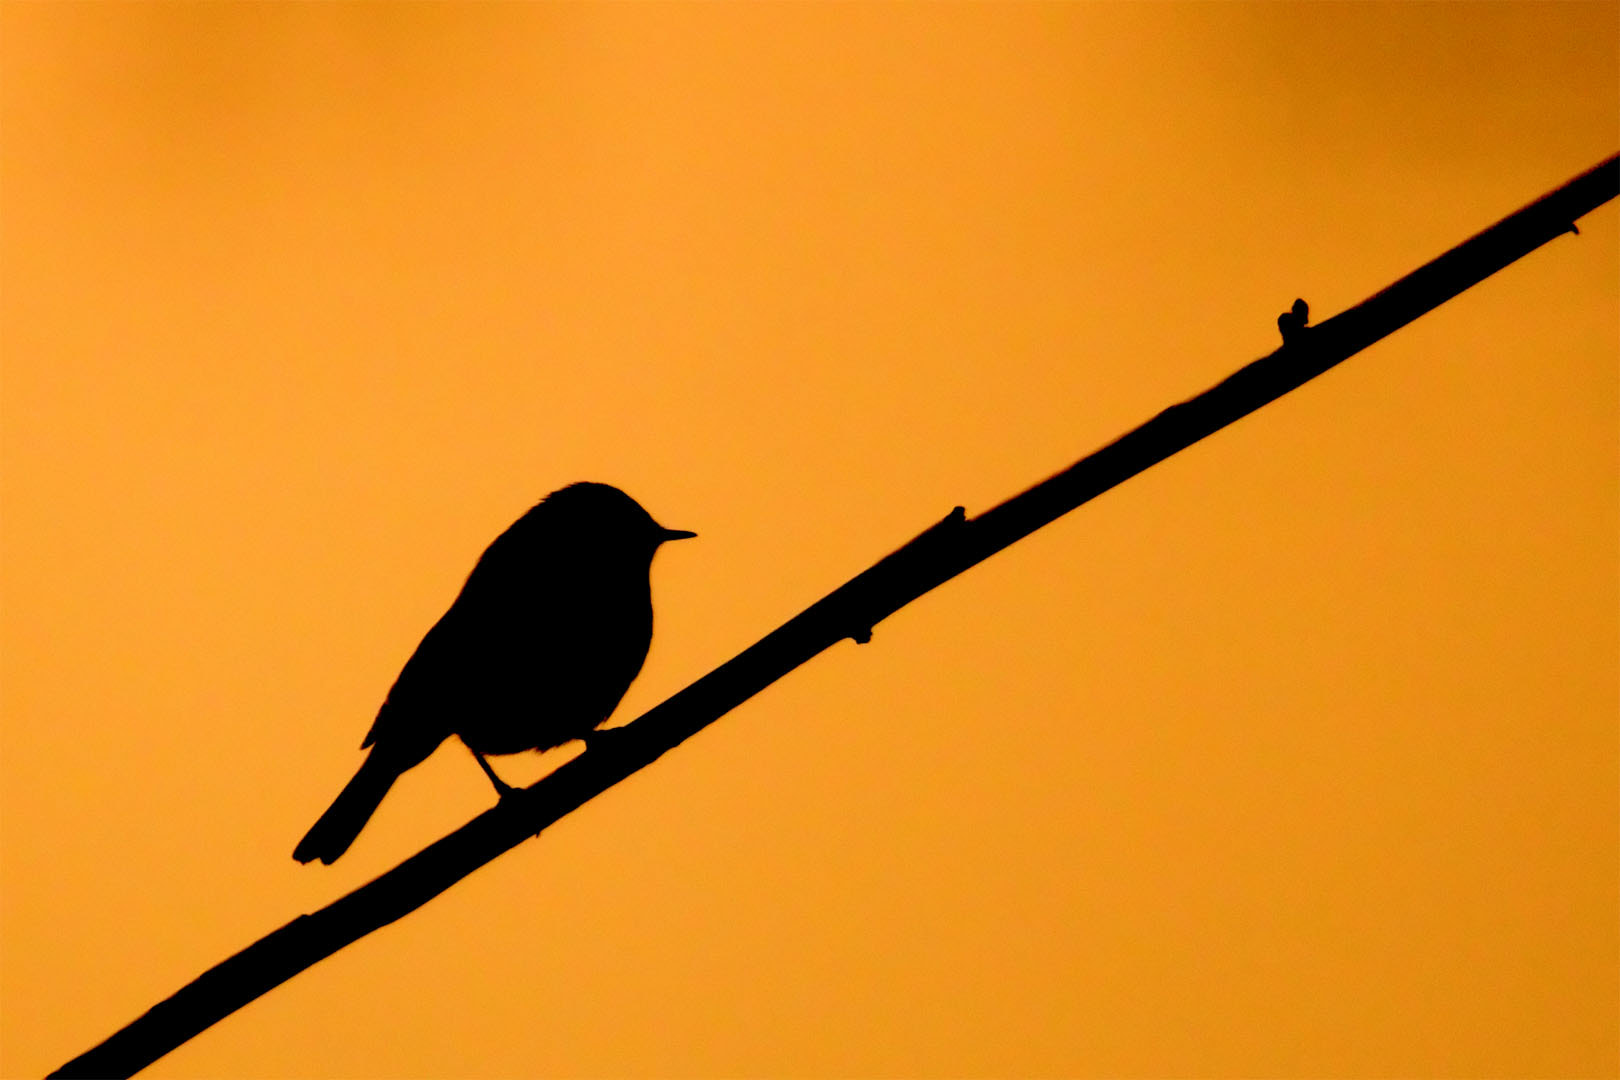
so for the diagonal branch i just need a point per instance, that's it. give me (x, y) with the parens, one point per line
(938, 554)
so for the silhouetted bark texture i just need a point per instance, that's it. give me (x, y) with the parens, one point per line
(938, 554)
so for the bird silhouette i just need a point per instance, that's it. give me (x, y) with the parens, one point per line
(545, 637)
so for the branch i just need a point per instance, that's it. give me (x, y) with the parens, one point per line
(938, 554)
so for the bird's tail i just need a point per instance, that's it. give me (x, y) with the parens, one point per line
(335, 831)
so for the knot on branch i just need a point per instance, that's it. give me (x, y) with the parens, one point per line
(1292, 322)
(898, 578)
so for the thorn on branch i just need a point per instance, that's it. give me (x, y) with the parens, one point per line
(861, 637)
(1574, 228)
(1291, 322)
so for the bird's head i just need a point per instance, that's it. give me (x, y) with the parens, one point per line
(604, 519)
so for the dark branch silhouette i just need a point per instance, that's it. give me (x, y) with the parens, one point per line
(938, 554)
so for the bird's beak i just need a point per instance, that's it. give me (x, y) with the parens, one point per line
(666, 535)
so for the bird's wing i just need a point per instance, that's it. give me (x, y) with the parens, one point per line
(414, 702)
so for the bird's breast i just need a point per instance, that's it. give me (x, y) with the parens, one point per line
(557, 668)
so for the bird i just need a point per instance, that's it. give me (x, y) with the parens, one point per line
(540, 645)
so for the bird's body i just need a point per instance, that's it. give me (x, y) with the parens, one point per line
(547, 634)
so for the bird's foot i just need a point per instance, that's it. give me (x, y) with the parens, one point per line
(602, 737)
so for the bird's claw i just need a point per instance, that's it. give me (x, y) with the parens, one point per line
(603, 737)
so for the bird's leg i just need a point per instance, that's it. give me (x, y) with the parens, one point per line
(502, 788)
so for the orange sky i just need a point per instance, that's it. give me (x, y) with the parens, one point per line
(1297, 756)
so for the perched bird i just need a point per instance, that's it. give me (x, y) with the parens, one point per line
(548, 632)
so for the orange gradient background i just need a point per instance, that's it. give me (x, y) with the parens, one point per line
(1296, 756)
